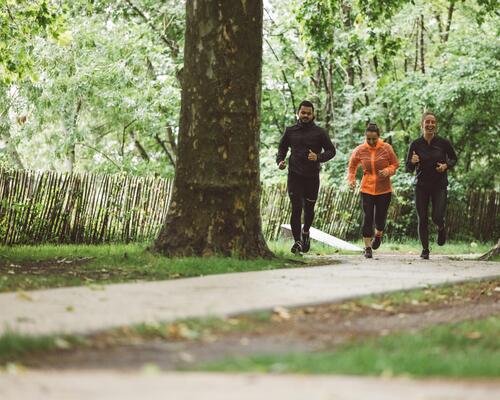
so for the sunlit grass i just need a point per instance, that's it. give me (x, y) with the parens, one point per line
(467, 349)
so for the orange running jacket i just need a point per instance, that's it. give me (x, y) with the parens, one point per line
(372, 160)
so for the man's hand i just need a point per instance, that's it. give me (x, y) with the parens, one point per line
(282, 164)
(415, 159)
(441, 167)
(383, 173)
(312, 156)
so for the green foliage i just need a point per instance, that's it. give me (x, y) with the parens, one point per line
(467, 349)
(14, 346)
(109, 85)
(21, 21)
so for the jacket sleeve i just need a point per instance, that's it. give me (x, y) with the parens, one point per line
(328, 147)
(409, 166)
(354, 161)
(393, 161)
(282, 148)
(451, 156)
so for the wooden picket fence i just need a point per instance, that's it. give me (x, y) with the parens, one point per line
(52, 207)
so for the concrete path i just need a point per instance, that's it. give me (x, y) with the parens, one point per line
(83, 310)
(84, 385)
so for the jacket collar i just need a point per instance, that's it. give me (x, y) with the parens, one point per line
(379, 144)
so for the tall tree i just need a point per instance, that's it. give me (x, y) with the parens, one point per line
(215, 206)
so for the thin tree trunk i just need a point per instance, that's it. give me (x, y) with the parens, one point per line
(71, 151)
(415, 65)
(362, 81)
(215, 206)
(422, 49)
(285, 77)
(451, 9)
(140, 148)
(11, 147)
(162, 144)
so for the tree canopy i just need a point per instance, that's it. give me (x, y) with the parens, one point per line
(95, 85)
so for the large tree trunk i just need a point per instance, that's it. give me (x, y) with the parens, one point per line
(215, 206)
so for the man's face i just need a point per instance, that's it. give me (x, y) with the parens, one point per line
(306, 114)
(429, 124)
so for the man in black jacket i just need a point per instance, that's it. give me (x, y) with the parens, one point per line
(306, 140)
(431, 156)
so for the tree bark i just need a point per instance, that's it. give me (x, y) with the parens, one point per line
(215, 206)
(451, 8)
(422, 48)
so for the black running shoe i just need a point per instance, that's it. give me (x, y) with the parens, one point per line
(306, 242)
(441, 236)
(368, 252)
(425, 254)
(297, 247)
(376, 242)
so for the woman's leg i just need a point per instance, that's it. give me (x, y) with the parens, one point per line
(382, 203)
(439, 200)
(368, 204)
(422, 197)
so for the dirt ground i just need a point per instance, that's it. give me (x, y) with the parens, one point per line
(312, 328)
(66, 268)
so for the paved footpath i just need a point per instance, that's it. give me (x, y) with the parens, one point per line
(89, 309)
(98, 385)
(82, 310)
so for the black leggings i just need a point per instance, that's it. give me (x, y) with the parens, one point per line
(423, 195)
(303, 192)
(375, 210)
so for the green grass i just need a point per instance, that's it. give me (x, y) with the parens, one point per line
(433, 294)
(468, 349)
(192, 328)
(13, 346)
(118, 263)
(72, 265)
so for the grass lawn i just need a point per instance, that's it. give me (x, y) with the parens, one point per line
(47, 266)
(467, 349)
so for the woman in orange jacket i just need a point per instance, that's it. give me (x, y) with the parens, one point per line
(379, 162)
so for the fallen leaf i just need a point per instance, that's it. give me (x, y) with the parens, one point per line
(62, 344)
(186, 357)
(24, 296)
(473, 335)
(280, 313)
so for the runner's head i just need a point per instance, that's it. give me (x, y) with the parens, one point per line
(428, 123)
(372, 134)
(305, 113)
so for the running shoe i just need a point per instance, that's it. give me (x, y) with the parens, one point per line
(306, 242)
(425, 254)
(368, 252)
(297, 247)
(376, 242)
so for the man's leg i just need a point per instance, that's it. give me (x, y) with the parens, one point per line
(295, 192)
(311, 195)
(439, 199)
(422, 197)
